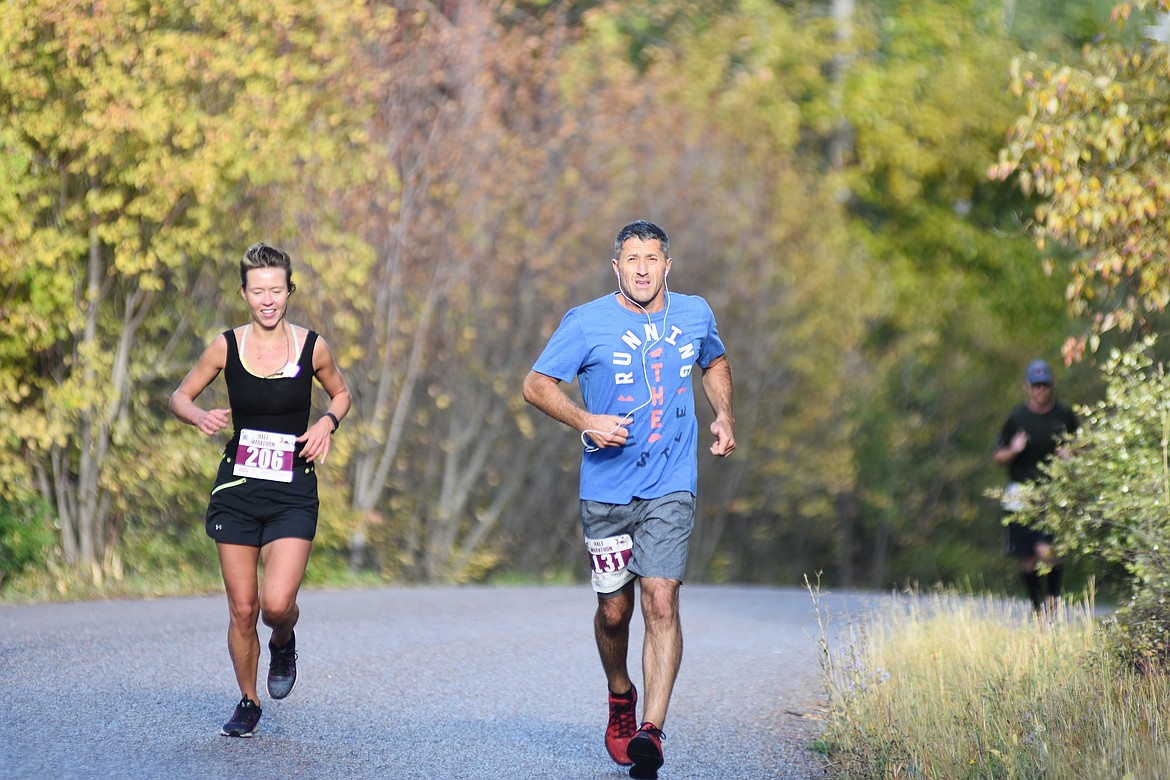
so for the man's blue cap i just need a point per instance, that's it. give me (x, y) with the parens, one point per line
(1039, 372)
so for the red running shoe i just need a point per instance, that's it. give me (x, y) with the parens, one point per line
(645, 750)
(623, 724)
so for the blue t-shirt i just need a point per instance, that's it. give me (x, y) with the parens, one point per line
(629, 361)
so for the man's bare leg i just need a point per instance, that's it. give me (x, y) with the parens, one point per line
(662, 650)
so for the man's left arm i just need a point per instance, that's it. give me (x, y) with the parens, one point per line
(717, 387)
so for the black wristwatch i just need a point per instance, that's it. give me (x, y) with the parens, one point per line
(336, 422)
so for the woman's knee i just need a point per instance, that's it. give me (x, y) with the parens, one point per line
(244, 612)
(278, 609)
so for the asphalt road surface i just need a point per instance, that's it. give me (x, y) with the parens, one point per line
(396, 683)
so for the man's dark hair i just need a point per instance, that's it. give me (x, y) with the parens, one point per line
(643, 230)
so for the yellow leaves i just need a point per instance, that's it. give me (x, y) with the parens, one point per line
(524, 424)
(384, 19)
(1093, 146)
(441, 397)
(1002, 170)
(152, 128)
(1025, 180)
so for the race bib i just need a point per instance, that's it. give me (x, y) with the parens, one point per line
(265, 455)
(608, 558)
(1012, 501)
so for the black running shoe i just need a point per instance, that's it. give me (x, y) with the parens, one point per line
(244, 720)
(645, 750)
(282, 670)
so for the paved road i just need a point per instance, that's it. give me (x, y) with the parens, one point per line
(402, 683)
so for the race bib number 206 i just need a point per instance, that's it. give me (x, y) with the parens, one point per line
(265, 455)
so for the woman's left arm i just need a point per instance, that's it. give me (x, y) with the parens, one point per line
(317, 438)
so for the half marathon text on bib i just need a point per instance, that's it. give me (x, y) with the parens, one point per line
(265, 455)
(609, 558)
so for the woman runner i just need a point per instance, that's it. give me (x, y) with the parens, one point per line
(263, 506)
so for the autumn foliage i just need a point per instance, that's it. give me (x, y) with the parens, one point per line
(449, 177)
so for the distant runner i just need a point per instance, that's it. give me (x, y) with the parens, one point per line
(1026, 442)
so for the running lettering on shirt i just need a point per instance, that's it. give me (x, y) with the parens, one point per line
(654, 376)
(265, 455)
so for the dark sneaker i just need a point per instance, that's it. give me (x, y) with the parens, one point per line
(623, 724)
(645, 750)
(282, 669)
(244, 720)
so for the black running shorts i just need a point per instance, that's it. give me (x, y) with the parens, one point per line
(1020, 541)
(254, 512)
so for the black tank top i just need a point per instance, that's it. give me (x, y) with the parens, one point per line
(279, 405)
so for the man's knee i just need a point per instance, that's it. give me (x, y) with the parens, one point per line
(660, 600)
(614, 611)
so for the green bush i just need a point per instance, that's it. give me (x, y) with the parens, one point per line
(1110, 497)
(26, 537)
(162, 551)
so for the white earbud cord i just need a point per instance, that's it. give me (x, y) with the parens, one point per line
(590, 447)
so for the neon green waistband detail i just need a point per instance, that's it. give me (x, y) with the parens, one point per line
(239, 481)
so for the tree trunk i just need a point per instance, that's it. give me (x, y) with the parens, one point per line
(841, 142)
(88, 538)
(848, 517)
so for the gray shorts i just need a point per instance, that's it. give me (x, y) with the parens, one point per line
(644, 538)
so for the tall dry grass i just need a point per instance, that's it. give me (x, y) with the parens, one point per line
(949, 686)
